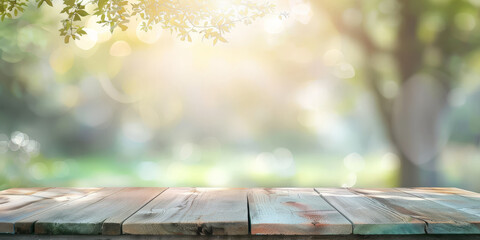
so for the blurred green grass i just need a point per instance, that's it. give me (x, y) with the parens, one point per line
(241, 170)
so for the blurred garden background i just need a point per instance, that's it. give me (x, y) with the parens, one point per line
(378, 93)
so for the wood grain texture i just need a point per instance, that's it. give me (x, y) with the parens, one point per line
(73, 217)
(370, 216)
(124, 204)
(192, 211)
(100, 212)
(17, 204)
(440, 219)
(465, 201)
(281, 213)
(293, 211)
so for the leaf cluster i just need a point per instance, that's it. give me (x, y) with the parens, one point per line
(211, 19)
(11, 8)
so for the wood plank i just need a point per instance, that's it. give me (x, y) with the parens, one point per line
(107, 208)
(43, 223)
(440, 219)
(192, 211)
(17, 204)
(465, 201)
(293, 211)
(127, 202)
(370, 216)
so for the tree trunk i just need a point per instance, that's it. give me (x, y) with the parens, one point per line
(412, 175)
(417, 120)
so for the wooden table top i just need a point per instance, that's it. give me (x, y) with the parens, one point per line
(238, 211)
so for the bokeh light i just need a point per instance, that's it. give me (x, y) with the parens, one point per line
(316, 93)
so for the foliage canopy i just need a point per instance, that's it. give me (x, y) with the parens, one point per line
(209, 18)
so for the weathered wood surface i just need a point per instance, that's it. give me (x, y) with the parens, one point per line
(369, 216)
(126, 203)
(192, 211)
(97, 213)
(465, 201)
(73, 217)
(245, 237)
(17, 203)
(294, 211)
(279, 213)
(439, 219)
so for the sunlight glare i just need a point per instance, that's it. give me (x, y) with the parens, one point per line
(120, 49)
(217, 177)
(103, 33)
(87, 41)
(313, 96)
(273, 25)
(332, 57)
(350, 180)
(261, 164)
(390, 162)
(344, 70)
(302, 12)
(150, 37)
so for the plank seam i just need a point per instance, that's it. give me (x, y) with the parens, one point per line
(14, 223)
(374, 201)
(436, 202)
(351, 223)
(119, 189)
(418, 196)
(121, 224)
(368, 196)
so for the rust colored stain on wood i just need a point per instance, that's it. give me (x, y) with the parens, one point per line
(294, 211)
(315, 216)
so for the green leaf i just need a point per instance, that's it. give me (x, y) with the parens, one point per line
(82, 13)
(69, 2)
(49, 2)
(102, 3)
(67, 39)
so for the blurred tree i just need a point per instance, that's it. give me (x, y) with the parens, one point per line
(427, 41)
(209, 18)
